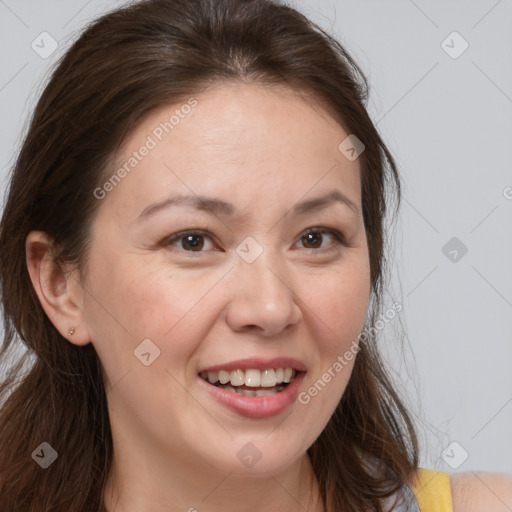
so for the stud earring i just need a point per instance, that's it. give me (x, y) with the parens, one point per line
(71, 331)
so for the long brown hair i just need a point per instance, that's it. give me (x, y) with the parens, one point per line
(124, 65)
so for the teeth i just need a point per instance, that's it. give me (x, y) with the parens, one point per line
(288, 374)
(251, 377)
(268, 378)
(246, 392)
(250, 392)
(224, 377)
(237, 378)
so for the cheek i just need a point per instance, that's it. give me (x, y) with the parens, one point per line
(340, 306)
(170, 304)
(138, 302)
(340, 303)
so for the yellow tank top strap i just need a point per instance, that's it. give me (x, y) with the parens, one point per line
(432, 491)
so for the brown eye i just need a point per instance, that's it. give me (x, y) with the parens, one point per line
(195, 242)
(314, 238)
(189, 241)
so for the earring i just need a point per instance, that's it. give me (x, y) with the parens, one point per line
(71, 331)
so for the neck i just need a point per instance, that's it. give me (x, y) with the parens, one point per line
(141, 481)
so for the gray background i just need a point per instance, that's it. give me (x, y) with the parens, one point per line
(448, 122)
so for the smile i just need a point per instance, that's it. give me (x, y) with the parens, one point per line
(251, 382)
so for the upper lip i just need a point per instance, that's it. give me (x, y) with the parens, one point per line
(258, 363)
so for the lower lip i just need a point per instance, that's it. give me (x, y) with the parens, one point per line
(257, 406)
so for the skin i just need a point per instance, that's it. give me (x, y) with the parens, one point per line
(262, 150)
(175, 447)
(481, 492)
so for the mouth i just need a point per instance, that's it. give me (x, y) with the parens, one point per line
(255, 387)
(252, 382)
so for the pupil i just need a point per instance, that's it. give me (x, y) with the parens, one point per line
(313, 236)
(189, 240)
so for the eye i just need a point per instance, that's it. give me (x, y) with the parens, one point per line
(315, 236)
(189, 241)
(193, 241)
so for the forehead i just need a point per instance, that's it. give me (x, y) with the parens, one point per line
(235, 141)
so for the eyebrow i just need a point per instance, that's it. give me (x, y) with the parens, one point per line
(217, 206)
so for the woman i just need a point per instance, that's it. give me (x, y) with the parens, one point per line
(192, 249)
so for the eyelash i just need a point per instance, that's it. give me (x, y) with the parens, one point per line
(339, 239)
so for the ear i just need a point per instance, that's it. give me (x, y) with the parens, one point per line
(58, 289)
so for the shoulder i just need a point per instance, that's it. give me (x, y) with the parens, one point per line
(481, 492)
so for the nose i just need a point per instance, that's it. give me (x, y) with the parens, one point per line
(262, 297)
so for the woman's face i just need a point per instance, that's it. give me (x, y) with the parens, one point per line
(247, 290)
